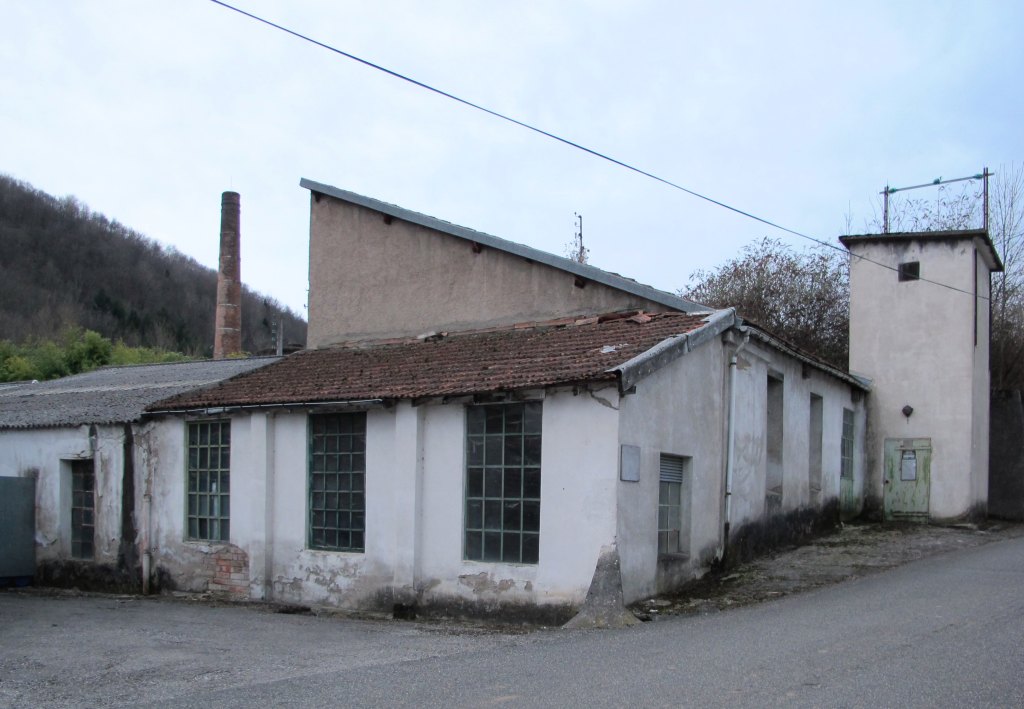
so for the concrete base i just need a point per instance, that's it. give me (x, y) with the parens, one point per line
(603, 607)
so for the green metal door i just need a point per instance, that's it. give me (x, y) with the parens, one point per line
(17, 529)
(907, 482)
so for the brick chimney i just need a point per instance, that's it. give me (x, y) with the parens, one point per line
(227, 337)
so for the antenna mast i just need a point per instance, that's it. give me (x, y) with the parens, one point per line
(983, 176)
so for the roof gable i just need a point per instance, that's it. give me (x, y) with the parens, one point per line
(585, 271)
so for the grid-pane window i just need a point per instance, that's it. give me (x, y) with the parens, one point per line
(209, 481)
(670, 503)
(83, 507)
(502, 520)
(846, 463)
(337, 481)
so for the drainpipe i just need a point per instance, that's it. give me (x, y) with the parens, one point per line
(730, 455)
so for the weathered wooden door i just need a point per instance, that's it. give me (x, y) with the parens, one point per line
(907, 482)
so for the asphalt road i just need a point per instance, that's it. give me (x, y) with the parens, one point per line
(943, 632)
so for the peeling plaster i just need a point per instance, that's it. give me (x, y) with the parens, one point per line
(484, 582)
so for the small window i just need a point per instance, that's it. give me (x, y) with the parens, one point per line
(909, 271)
(208, 491)
(83, 508)
(337, 482)
(846, 462)
(502, 521)
(673, 537)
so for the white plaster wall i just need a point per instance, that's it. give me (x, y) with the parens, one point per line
(39, 452)
(682, 409)
(678, 410)
(579, 467)
(915, 341)
(982, 387)
(347, 579)
(415, 470)
(370, 279)
(799, 382)
(165, 470)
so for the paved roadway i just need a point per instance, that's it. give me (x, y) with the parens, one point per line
(944, 632)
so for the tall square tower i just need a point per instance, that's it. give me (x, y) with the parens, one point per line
(919, 330)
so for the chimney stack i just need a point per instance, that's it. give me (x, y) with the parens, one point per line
(227, 338)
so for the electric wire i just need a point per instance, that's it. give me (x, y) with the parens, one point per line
(577, 146)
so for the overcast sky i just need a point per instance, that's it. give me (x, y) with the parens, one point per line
(797, 111)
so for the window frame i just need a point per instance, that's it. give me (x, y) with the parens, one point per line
(83, 509)
(217, 516)
(909, 271)
(673, 477)
(344, 438)
(502, 483)
(846, 444)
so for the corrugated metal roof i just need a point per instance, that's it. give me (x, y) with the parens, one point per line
(591, 273)
(111, 394)
(465, 363)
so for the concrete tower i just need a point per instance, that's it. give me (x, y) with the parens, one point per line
(919, 330)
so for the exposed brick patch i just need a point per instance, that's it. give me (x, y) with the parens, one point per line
(228, 569)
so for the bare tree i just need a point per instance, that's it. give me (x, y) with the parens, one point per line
(801, 296)
(1006, 227)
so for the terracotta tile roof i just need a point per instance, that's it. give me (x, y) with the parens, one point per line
(464, 363)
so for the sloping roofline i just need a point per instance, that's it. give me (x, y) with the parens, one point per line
(623, 348)
(114, 394)
(990, 254)
(591, 273)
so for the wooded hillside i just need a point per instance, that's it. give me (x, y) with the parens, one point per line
(63, 266)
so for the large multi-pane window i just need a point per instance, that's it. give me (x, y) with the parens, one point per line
(83, 507)
(502, 520)
(337, 481)
(209, 481)
(846, 462)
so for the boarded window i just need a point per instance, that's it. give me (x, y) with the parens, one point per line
(209, 481)
(337, 481)
(502, 516)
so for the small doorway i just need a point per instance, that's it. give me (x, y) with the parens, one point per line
(907, 480)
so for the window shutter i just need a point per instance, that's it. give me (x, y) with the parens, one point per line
(671, 469)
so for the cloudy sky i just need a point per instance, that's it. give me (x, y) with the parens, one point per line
(797, 111)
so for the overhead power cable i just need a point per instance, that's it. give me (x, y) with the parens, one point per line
(570, 143)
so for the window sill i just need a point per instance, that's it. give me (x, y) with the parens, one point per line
(677, 556)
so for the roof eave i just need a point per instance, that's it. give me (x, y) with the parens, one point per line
(861, 383)
(672, 348)
(989, 252)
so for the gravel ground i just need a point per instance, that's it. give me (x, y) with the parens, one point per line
(854, 550)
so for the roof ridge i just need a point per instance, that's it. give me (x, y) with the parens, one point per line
(638, 316)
